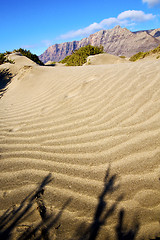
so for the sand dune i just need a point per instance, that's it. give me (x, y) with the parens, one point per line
(96, 129)
(104, 58)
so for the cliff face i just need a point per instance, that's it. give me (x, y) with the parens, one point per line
(58, 51)
(117, 41)
(155, 33)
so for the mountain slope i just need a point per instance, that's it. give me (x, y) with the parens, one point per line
(116, 41)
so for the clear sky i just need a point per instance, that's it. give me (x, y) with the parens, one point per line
(37, 24)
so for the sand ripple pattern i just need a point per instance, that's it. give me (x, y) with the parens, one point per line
(77, 123)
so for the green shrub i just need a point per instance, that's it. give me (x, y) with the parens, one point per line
(65, 59)
(138, 56)
(29, 55)
(141, 55)
(4, 58)
(79, 57)
(122, 56)
(156, 50)
(8, 52)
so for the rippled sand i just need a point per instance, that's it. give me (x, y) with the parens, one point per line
(96, 130)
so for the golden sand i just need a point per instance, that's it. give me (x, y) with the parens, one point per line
(96, 130)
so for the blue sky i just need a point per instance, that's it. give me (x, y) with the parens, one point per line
(37, 24)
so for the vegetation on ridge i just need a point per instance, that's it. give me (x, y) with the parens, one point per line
(141, 55)
(79, 57)
(26, 53)
(30, 55)
(4, 58)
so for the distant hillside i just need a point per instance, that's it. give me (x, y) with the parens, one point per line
(117, 41)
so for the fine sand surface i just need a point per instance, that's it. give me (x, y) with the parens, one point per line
(104, 58)
(88, 138)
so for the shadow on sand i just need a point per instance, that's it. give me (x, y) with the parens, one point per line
(5, 78)
(123, 233)
(102, 214)
(11, 219)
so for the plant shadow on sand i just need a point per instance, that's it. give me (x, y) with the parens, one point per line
(11, 219)
(5, 78)
(103, 212)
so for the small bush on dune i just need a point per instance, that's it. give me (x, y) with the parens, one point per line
(156, 50)
(65, 59)
(4, 58)
(141, 55)
(29, 55)
(79, 57)
(137, 56)
(26, 53)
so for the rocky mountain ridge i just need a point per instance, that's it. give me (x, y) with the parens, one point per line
(117, 41)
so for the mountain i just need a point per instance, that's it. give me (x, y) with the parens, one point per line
(156, 33)
(117, 41)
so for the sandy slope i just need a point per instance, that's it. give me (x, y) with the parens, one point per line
(81, 124)
(104, 58)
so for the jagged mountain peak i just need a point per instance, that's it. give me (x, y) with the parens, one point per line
(119, 28)
(116, 41)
